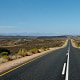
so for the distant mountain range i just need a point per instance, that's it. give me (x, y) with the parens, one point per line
(29, 34)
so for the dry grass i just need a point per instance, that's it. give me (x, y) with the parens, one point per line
(28, 48)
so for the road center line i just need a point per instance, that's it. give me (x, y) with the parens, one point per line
(67, 69)
(64, 69)
(66, 54)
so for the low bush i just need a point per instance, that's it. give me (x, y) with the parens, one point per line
(45, 48)
(34, 50)
(6, 57)
(3, 53)
(2, 50)
(22, 52)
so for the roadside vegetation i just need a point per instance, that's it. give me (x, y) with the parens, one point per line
(77, 42)
(11, 49)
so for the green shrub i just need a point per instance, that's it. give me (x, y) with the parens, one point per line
(4, 53)
(2, 50)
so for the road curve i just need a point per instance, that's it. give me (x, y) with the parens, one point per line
(49, 67)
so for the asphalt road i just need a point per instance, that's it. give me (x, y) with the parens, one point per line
(74, 64)
(50, 67)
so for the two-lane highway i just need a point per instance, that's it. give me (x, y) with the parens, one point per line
(62, 64)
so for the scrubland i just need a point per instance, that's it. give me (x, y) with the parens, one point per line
(11, 49)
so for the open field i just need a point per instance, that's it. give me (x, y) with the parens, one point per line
(12, 48)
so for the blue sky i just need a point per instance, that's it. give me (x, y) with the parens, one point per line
(40, 16)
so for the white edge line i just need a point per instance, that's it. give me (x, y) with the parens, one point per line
(66, 54)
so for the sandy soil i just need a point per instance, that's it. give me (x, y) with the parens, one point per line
(73, 44)
(11, 64)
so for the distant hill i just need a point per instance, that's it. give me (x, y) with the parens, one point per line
(30, 37)
(16, 37)
(51, 37)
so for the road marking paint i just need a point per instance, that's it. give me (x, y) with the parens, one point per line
(66, 54)
(67, 69)
(64, 69)
(21, 65)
